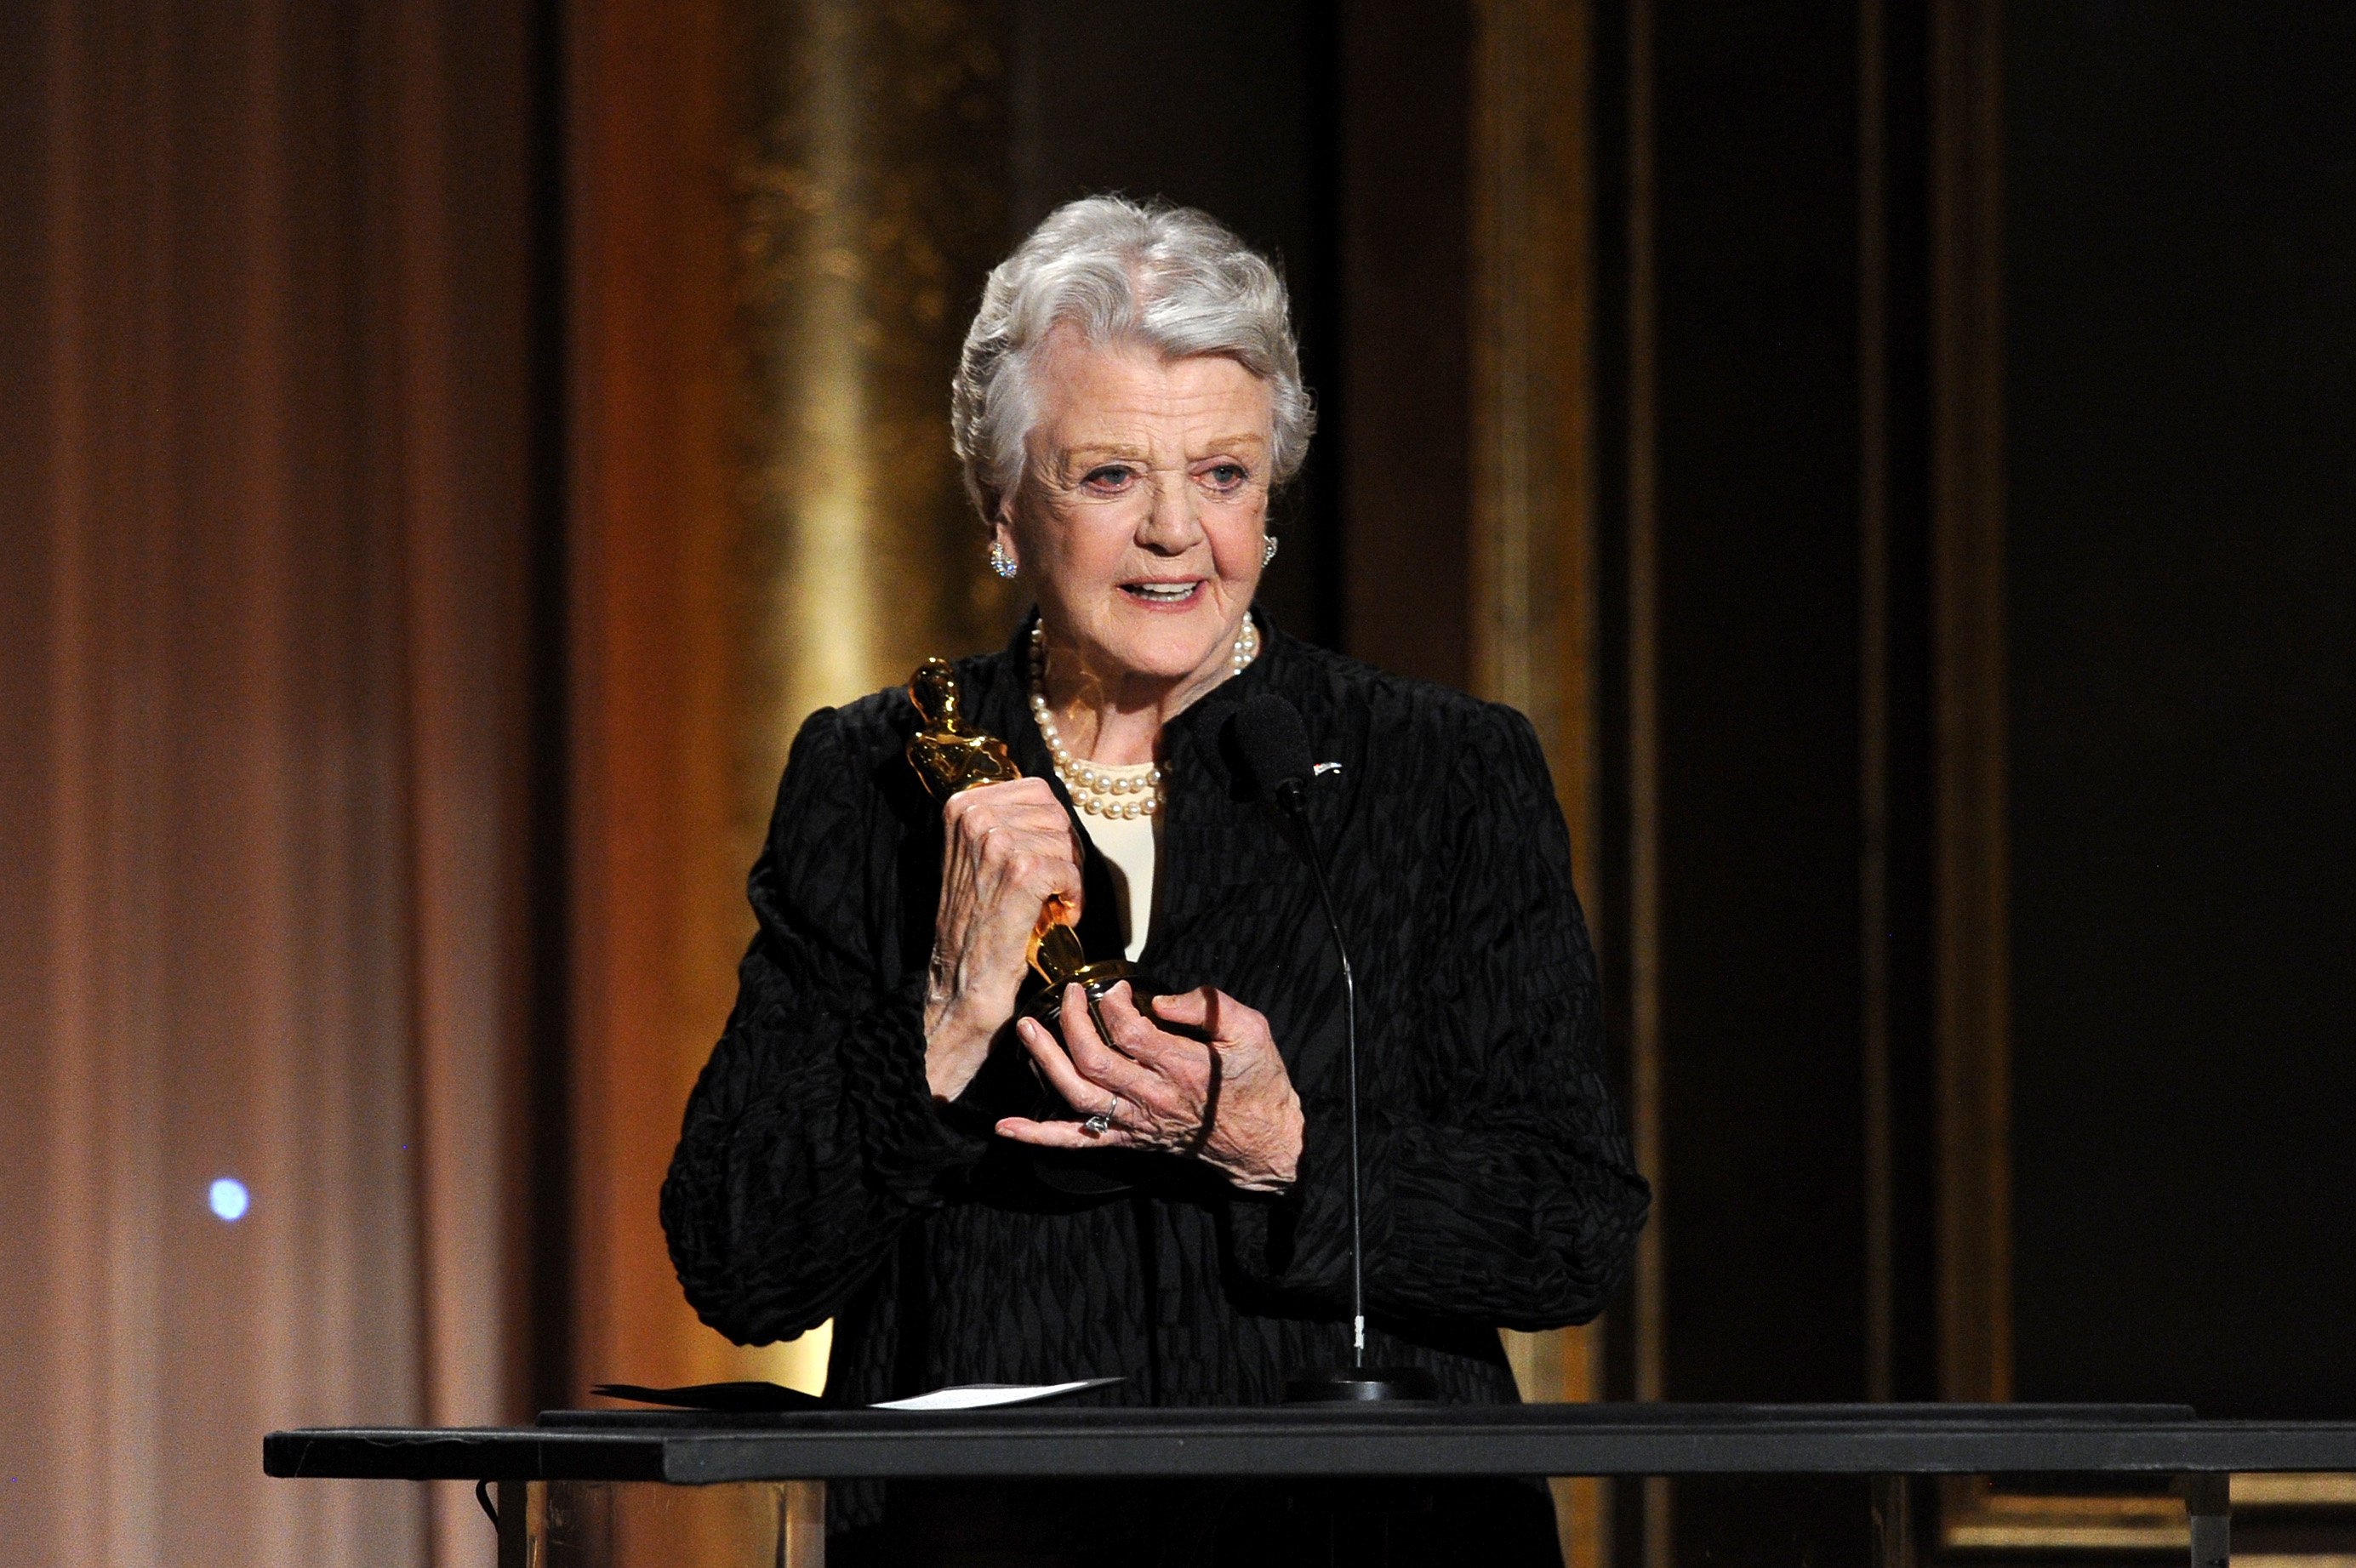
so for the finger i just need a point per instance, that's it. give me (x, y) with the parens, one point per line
(1049, 821)
(972, 814)
(1099, 1062)
(1034, 792)
(1133, 1033)
(1017, 878)
(1004, 831)
(1061, 1134)
(1054, 874)
(1026, 802)
(1226, 1020)
(1025, 790)
(1042, 876)
(1000, 841)
(1055, 1065)
(1192, 1007)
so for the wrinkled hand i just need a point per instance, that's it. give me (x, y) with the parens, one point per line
(1229, 1103)
(1008, 848)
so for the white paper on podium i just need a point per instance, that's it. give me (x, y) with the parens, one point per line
(983, 1396)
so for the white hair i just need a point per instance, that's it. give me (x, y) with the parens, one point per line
(1118, 271)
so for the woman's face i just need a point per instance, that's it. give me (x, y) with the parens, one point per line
(1142, 518)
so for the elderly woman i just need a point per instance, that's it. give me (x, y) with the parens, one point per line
(866, 1144)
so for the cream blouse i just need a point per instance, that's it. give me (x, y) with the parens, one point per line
(1127, 843)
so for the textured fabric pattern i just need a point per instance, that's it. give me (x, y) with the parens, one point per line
(816, 1177)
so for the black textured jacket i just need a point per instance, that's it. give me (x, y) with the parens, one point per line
(816, 1177)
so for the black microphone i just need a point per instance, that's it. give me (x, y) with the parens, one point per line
(1274, 745)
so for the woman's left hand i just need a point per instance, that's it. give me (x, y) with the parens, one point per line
(1229, 1103)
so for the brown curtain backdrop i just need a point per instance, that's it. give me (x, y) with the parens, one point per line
(266, 608)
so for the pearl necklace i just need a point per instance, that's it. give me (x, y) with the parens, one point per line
(1110, 791)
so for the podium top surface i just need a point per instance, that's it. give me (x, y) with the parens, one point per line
(1325, 1440)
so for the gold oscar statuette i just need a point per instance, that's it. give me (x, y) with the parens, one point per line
(952, 756)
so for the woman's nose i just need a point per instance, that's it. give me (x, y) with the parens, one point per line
(1174, 524)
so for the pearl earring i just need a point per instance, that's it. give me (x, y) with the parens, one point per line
(999, 562)
(1268, 550)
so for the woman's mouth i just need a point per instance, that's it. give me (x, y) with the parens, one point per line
(1164, 595)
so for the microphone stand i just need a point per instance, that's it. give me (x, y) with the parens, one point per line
(1357, 1381)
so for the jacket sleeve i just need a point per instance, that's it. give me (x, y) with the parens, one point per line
(1498, 1185)
(811, 1135)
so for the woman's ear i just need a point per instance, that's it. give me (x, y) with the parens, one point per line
(1002, 523)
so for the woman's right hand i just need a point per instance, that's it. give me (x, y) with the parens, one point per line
(1007, 850)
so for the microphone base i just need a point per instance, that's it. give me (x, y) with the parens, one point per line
(1361, 1385)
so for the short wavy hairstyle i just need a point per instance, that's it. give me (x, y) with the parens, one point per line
(1119, 271)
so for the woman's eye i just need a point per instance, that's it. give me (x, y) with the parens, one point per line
(1228, 475)
(1111, 476)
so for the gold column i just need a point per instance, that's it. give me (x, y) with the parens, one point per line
(1533, 587)
(871, 190)
(869, 202)
(779, 214)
